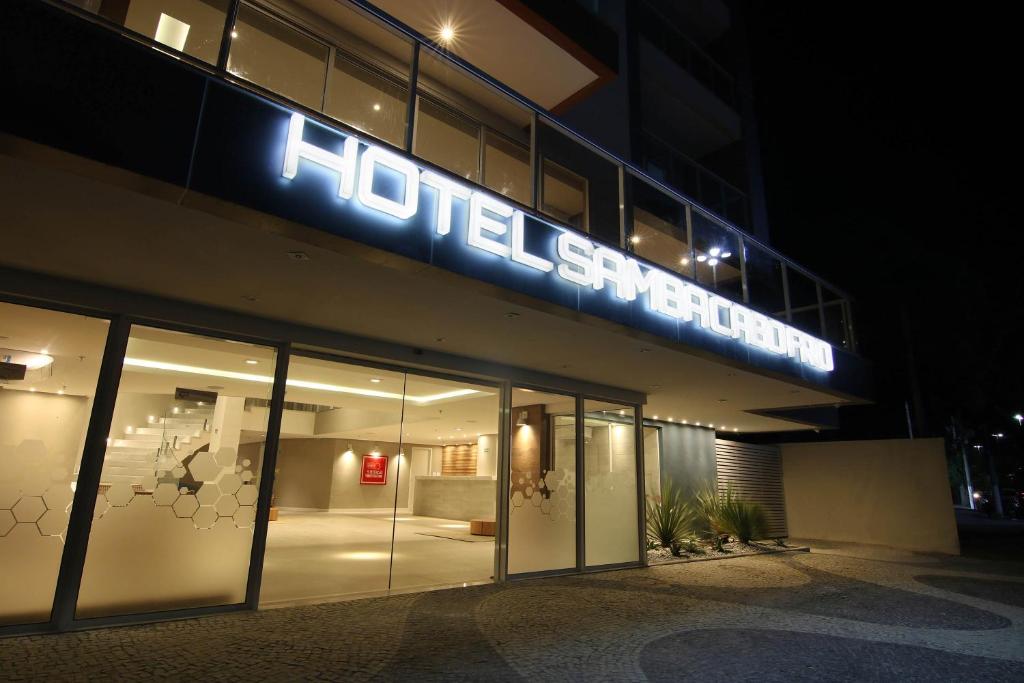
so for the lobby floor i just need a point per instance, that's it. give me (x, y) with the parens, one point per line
(319, 556)
(836, 613)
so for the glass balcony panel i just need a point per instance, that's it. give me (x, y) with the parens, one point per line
(280, 58)
(194, 27)
(716, 251)
(803, 302)
(368, 98)
(469, 128)
(507, 167)
(764, 282)
(659, 229)
(447, 139)
(836, 329)
(573, 173)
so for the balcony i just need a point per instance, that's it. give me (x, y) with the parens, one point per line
(360, 70)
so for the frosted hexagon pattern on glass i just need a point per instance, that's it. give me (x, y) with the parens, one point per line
(120, 494)
(208, 494)
(203, 467)
(226, 506)
(229, 483)
(7, 522)
(185, 506)
(53, 523)
(29, 509)
(9, 495)
(204, 518)
(165, 494)
(58, 497)
(245, 516)
(247, 494)
(225, 457)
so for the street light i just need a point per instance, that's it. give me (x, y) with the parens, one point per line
(1019, 418)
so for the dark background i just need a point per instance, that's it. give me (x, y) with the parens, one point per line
(890, 137)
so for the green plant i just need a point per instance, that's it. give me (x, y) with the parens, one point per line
(727, 514)
(670, 519)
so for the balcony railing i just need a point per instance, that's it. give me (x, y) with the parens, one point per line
(362, 69)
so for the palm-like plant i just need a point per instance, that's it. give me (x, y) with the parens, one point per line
(670, 519)
(725, 513)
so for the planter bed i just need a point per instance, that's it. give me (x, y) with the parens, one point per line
(660, 556)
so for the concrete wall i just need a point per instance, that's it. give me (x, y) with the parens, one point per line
(688, 457)
(462, 498)
(889, 492)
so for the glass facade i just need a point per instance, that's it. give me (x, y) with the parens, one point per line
(180, 476)
(45, 402)
(383, 479)
(342, 62)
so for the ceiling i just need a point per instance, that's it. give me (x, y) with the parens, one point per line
(101, 233)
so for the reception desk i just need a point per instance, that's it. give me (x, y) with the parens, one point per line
(463, 498)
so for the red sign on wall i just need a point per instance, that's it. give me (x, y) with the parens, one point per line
(375, 470)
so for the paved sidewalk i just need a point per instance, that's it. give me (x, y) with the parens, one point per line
(841, 613)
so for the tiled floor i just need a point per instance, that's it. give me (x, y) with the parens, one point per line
(842, 613)
(328, 555)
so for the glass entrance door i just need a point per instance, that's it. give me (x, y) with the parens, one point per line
(385, 481)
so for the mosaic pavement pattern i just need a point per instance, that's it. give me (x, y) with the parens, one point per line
(832, 615)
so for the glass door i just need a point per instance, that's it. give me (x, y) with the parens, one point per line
(445, 515)
(385, 481)
(542, 482)
(609, 466)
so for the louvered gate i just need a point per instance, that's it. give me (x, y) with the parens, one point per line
(755, 474)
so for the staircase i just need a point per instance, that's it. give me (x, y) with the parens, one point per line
(158, 445)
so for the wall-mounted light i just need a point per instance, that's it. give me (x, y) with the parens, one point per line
(524, 415)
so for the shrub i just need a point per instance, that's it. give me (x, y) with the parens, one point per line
(726, 513)
(670, 519)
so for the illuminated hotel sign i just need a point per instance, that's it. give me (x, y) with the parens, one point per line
(390, 184)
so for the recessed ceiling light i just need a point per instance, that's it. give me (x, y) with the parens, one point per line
(447, 33)
(375, 380)
(298, 256)
(234, 34)
(376, 107)
(32, 389)
(251, 361)
(654, 417)
(635, 239)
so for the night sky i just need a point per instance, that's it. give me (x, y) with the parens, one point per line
(889, 137)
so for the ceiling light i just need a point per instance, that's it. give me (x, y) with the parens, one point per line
(697, 423)
(711, 425)
(726, 254)
(714, 251)
(234, 34)
(685, 422)
(684, 261)
(60, 391)
(735, 429)
(654, 417)
(32, 389)
(375, 380)
(376, 107)
(447, 33)
(635, 239)
(299, 383)
(712, 262)
(251, 361)
(702, 258)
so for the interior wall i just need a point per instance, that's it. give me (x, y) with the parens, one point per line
(688, 457)
(322, 474)
(892, 492)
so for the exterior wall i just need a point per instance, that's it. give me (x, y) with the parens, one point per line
(688, 457)
(889, 492)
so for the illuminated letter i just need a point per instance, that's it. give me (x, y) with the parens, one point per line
(776, 337)
(479, 222)
(577, 253)
(296, 148)
(640, 282)
(828, 363)
(519, 253)
(616, 274)
(446, 189)
(716, 305)
(742, 323)
(667, 295)
(695, 301)
(378, 156)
